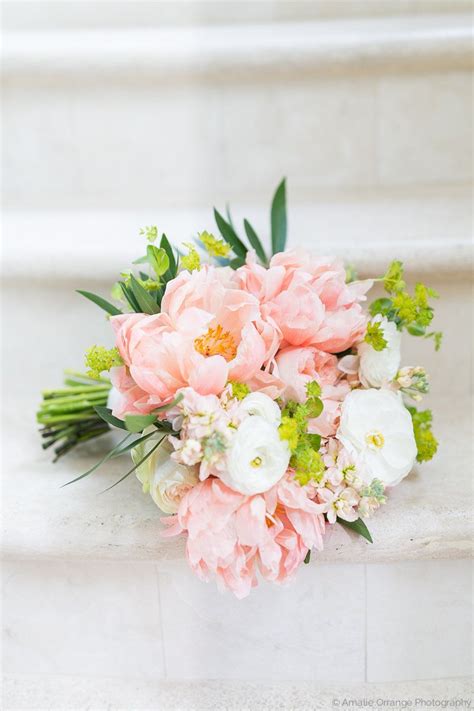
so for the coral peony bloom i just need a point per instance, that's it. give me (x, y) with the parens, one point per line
(187, 345)
(230, 536)
(315, 305)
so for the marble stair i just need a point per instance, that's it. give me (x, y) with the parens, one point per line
(112, 128)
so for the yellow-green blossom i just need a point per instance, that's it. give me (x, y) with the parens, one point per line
(151, 233)
(99, 359)
(239, 390)
(192, 260)
(375, 336)
(289, 431)
(213, 246)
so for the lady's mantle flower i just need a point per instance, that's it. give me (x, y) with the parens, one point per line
(376, 428)
(257, 458)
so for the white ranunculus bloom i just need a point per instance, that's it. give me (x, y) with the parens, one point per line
(262, 405)
(165, 480)
(377, 368)
(257, 458)
(376, 428)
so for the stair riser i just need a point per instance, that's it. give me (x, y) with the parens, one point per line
(132, 145)
(335, 623)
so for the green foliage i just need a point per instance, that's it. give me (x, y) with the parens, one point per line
(230, 235)
(358, 527)
(255, 242)
(279, 219)
(99, 359)
(374, 336)
(137, 423)
(158, 259)
(146, 302)
(412, 312)
(426, 442)
(99, 301)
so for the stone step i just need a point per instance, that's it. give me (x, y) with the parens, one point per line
(427, 517)
(185, 116)
(40, 692)
(429, 230)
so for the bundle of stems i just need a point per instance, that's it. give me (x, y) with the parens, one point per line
(67, 415)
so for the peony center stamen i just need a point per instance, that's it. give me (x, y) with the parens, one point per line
(375, 439)
(257, 462)
(216, 342)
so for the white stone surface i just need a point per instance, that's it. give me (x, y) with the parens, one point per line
(419, 620)
(429, 230)
(38, 693)
(180, 116)
(217, 51)
(313, 629)
(91, 619)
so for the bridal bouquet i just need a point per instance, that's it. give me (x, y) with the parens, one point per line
(262, 400)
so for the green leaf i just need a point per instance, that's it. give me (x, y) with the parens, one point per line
(169, 405)
(141, 260)
(99, 301)
(278, 218)
(158, 259)
(414, 329)
(230, 235)
(106, 414)
(307, 557)
(137, 423)
(255, 242)
(131, 300)
(381, 306)
(236, 263)
(146, 302)
(173, 266)
(358, 527)
(136, 465)
(104, 459)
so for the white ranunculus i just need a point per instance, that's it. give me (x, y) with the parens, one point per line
(377, 368)
(376, 428)
(257, 458)
(165, 480)
(114, 398)
(262, 405)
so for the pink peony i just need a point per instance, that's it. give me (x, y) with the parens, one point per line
(232, 536)
(308, 299)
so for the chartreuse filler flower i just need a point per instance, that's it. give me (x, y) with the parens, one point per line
(261, 399)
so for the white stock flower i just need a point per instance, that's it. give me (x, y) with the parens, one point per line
(262, 405)
(162, 477)
(377, 368)
(377, 428)
(257, 458)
